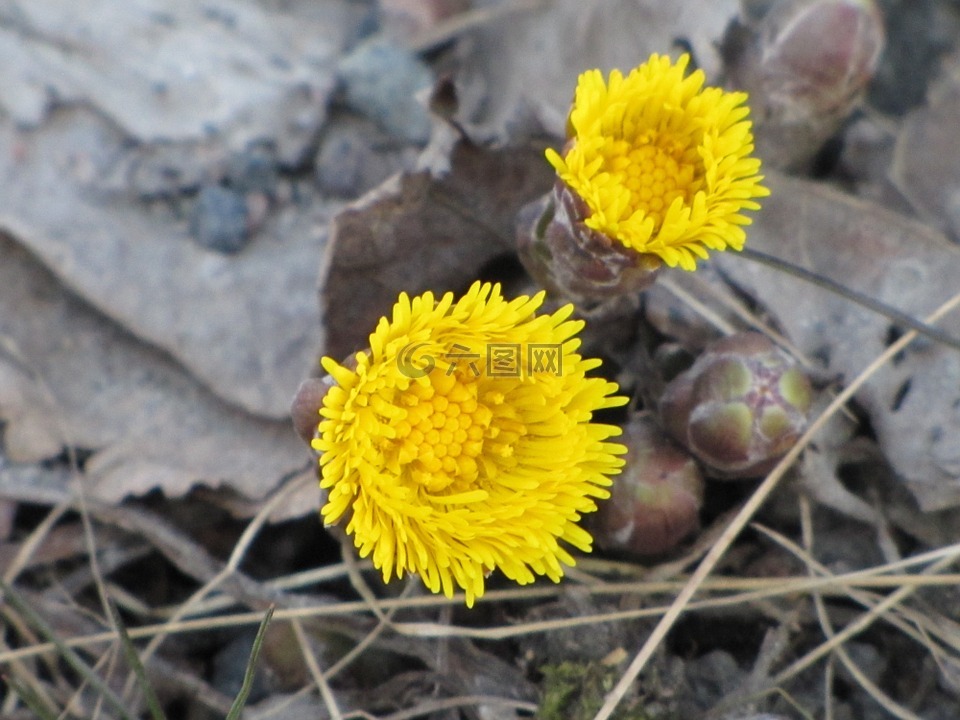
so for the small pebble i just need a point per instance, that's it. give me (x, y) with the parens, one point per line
(340, 164)
(871, 662)
(253, 171)
(712, 676)
(219, 220)
(381, 80)
(355, 156)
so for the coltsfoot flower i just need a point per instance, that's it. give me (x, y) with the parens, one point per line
(462, 441)
(740, 407)
(662, 163)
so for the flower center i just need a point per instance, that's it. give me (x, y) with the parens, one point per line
(654, 168)
(442, 432)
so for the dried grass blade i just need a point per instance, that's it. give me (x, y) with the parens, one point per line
(130, 652)
(68, 654)
(241, 700)
(29, 696)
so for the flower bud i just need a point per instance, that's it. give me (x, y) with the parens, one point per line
(574, 261)
(804, 67)
(305, 413)
(740, 407)
(655, 501)
(306, 404)
(305, 408)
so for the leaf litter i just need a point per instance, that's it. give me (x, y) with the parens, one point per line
(912, 404)
(84, 381)
(154, 374)
(85, 107)
(419, 231)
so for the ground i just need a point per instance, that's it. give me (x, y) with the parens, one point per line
(201, 200)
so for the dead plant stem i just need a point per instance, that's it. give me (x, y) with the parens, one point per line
(761, 494)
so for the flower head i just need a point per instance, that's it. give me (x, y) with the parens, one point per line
(662, 163)
(451, 459)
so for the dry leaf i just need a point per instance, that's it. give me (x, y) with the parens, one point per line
(246, 325)
(926, 165)
(529, 62)
(418, 232)
(151, 425)
(153, 103)
(913, 403)
(31, 431)
(173, 70)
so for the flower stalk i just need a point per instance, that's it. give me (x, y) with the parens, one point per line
(574, 261)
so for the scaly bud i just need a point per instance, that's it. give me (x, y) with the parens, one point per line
(741, 406)
(655, 502)
(804, 67)
(570, 259)
(305, 408)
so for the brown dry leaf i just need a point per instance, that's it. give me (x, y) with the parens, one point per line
(528, 63)
(171, 71)
(105, 124)
(926, 165)
(31, 430)
(419, 231)
(246, 325)
(150, 425)
(913, 403)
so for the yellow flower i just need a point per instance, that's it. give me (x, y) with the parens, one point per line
(451, 462)
(662, 163)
